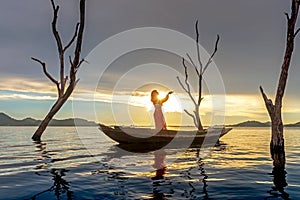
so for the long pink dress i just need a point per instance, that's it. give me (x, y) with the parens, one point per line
(160, 122)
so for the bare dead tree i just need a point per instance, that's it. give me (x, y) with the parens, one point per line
(200, 70)
(274, 110)
(65, 85)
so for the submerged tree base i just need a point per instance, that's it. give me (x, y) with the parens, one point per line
(278, 156)
(36, 138)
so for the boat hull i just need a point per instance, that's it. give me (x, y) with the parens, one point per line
(145, 140)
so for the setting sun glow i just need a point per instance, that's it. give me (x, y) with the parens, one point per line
(172, 105)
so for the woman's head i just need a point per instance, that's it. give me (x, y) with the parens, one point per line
(154, 95)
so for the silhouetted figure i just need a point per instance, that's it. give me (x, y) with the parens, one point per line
(159, 119)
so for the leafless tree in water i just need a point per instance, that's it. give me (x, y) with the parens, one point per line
(65, 84)
(200, 69)
(274, 109)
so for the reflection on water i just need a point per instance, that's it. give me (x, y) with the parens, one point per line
(279, 176)
(59, 187)
(42, 154)
(61, 168)
(194, 180)
(279, 180)
(159, 164)
(204, 179)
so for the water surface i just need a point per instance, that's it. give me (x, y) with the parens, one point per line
(61, 167)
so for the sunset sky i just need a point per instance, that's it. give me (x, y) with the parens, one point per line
(250, 54)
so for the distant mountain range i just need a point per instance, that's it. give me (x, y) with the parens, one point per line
(261, 124)
(6, 120)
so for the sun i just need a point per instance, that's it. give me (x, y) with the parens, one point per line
(172, 105)
(162, 95)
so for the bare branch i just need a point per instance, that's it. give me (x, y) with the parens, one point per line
(49, 76)
(73, 38)
(268, 102)
(199, 89)
(298, 30)
(45, 70)
(76, 82)
(81, 61)
(54, 30)
(186, 81)
(295, 9)
(192, 116)
(77, 52)
(191, 60)
(287, 16)
(287, 55)
(198, 48)
(71, 62)
(212, 55)
(59, 46)
(53, 5)
(75, 68)
(186, 75)
(186, 90)
(181, 84)
(65, 80)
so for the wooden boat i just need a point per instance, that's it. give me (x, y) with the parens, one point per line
(145, 139)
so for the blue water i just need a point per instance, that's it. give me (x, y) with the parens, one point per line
(62, 167)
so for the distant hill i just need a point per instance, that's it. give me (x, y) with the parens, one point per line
(261, 124)
(6, 120)
(293, 125)
(252, 124)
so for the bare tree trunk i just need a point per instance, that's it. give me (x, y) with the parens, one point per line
(55, 108)
(64, 90)
(200, 70)
(274, 110)
(198, 120)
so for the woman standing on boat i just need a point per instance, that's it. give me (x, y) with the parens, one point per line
(159, 119)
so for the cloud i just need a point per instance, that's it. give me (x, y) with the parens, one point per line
(20, 84)
(25, 97)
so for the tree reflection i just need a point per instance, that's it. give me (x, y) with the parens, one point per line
(204, 179)
(60, 186)
(279, 176)
(40, 148)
